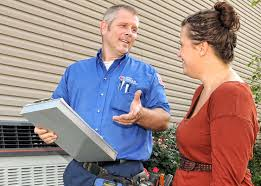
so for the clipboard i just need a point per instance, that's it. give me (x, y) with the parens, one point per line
(75, 136)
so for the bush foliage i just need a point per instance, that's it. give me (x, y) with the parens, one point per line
(165, 155)
(255, 166)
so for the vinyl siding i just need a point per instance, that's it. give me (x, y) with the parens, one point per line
(39, 39)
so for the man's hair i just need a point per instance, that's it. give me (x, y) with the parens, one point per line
(111, 12)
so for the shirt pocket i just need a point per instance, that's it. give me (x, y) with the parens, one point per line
(122, 100)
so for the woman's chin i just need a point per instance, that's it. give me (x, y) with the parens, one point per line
(185, 71)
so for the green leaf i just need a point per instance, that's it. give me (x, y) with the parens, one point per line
(255, 2)
(165, 155)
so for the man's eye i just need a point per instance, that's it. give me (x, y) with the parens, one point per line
(134, 30)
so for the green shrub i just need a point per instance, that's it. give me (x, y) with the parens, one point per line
(165, 155)
(255, 166)
(255, 79)
(255, 83)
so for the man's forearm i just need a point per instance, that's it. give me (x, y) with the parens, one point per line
(156, 119)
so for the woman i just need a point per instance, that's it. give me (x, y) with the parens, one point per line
(216, 137)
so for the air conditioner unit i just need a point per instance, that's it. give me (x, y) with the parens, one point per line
(25, 160)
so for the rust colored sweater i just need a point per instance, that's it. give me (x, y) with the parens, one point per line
(223, 134)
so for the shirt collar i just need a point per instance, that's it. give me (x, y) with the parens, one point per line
(121, 59)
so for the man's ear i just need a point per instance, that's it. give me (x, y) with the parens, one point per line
(103, 27)
(203, 48)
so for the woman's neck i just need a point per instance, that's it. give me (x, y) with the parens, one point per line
(215, 76)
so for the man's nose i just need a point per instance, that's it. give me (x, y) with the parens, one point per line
(128, 31)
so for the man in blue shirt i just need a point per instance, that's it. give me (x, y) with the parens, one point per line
(120, 97)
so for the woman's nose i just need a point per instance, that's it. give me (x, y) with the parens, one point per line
(179, 53)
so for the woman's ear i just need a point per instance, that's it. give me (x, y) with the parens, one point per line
(203, 48)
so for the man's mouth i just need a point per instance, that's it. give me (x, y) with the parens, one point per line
(125, 41)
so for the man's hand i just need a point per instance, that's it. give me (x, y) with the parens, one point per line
(47, 136)
(135, 111)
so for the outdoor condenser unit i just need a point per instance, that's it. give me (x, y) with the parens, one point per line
(25, 160)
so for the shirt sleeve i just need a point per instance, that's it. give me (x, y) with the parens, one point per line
(233, 130)
(232, 143)
(156, 97)
(61, 90)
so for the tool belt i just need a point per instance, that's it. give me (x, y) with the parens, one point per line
(97, 169)
(189, 165)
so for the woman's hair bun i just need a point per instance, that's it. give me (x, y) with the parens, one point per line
(227, 16)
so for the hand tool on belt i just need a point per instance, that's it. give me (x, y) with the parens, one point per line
(97, 168)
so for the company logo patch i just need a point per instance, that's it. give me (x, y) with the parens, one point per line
(160, 80)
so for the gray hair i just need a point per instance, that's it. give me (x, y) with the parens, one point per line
(111, 12)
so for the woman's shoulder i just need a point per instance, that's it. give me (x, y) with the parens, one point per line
(232, 90)
(232, 99)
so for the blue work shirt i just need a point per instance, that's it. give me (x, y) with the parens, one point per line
(98, 94)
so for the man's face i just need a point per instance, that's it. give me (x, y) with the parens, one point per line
(119, 36)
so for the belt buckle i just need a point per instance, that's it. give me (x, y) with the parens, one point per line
(192, 165)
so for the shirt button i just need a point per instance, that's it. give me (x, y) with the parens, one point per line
(102, 94)
(105, 78)
(96, 129)
(98, 110)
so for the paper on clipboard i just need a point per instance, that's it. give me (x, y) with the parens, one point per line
(75, 136)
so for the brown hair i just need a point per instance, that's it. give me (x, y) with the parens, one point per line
(217, 27)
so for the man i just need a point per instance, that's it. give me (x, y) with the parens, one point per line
(120, 97)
